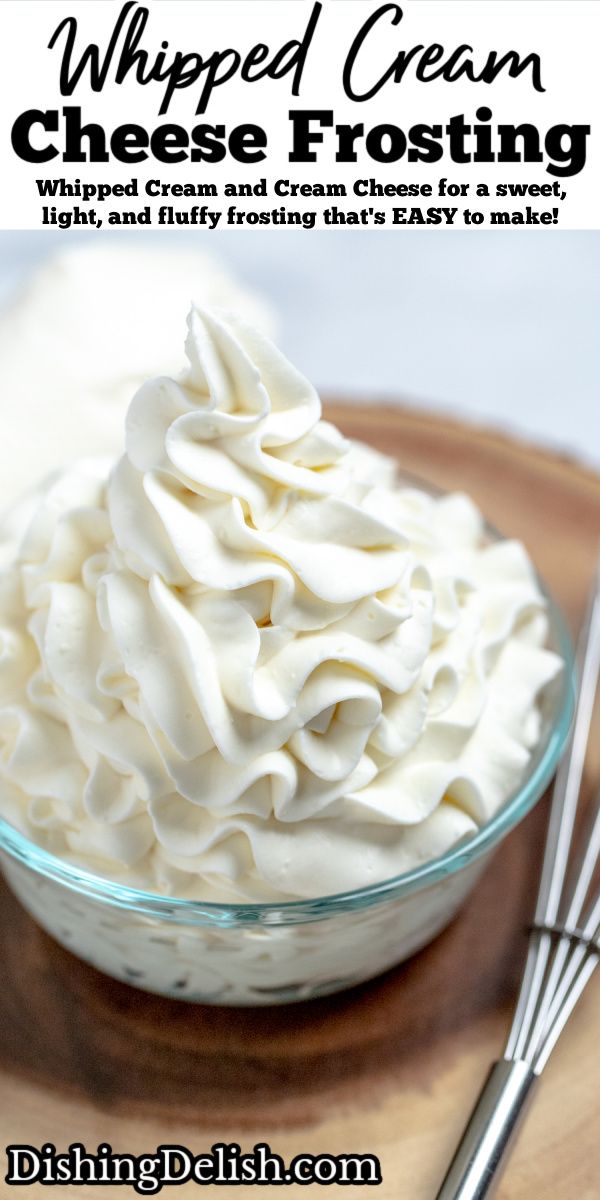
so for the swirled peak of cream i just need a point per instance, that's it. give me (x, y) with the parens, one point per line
(244, 663)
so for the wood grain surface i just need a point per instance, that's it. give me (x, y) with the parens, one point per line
(391, 1068)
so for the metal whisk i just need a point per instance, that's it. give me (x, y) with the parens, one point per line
(564, 949)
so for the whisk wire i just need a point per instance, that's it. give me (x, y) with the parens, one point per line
(562, 955)
(548, 957)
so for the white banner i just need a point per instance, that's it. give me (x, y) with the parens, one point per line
(249, 113)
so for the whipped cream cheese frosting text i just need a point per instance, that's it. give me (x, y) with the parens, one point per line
(243, 663)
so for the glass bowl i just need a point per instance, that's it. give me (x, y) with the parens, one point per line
(260, 954)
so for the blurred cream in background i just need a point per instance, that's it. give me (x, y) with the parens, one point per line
(81, 333)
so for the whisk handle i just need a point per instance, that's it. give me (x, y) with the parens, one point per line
(475, 1169)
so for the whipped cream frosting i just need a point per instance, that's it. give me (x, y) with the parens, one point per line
(243, 662)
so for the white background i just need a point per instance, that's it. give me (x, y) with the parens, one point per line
(565, 33)
(500, 327)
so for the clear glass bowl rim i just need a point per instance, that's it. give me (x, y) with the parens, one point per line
(197, 912)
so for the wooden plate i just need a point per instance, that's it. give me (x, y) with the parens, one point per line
(391, 1068)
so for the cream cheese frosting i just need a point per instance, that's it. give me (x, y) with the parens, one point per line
(243, 662)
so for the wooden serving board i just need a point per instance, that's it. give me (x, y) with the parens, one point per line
(391, 1068)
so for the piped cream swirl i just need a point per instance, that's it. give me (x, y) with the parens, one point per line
(244, 664)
